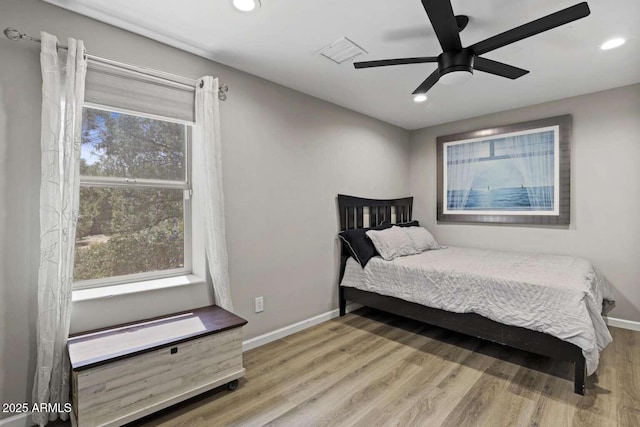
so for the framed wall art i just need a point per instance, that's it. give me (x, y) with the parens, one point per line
(514, 174)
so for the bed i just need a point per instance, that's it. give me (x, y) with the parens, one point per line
(515, 299)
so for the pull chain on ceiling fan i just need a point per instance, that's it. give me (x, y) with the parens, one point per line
(456, 63)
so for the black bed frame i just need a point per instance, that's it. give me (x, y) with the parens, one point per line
(351, 216)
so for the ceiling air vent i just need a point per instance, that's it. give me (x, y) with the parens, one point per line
(341, 50)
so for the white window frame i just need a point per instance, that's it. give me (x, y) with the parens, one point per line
(115, 182)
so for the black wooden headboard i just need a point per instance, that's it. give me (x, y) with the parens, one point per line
(352, 211)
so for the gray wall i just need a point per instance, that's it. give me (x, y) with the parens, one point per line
(285, 157)
(285, 152)
(605, 190)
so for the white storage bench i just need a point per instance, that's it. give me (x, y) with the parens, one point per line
(129, 371)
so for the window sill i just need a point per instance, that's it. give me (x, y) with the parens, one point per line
(132, 288)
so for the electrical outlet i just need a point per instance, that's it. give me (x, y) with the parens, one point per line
(259, 305)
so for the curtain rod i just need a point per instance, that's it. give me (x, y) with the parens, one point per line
(13, 34)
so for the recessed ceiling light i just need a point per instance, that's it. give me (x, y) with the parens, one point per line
(246, 5)
(613, 43)
(420, 98)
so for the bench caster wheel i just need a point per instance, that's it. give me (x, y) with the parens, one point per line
(232, 385)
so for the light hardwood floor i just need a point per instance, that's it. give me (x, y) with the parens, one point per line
(371, 369)
(374, 369)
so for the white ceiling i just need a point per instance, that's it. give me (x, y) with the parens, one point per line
(278, 42)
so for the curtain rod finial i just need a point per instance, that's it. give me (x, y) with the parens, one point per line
(12, 34)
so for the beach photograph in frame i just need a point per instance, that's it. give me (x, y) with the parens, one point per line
(518, 174)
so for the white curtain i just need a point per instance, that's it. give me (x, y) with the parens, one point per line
(207, 148)
(62, 98)
(462, 160)
(531, 155)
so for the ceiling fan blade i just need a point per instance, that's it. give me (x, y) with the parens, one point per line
(428, 83)
(532, 28)
(444, 23)
(498, 68)
(401, 61)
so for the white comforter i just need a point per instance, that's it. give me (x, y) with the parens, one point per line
(558, 295)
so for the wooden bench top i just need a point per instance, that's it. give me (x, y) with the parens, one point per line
(101, 346)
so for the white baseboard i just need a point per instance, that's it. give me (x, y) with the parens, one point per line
(621, 323)
(292, 329)
(307, 323)
(19, 420)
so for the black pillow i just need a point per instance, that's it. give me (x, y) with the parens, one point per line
(359, 245)
(404, 224)
(408, 224)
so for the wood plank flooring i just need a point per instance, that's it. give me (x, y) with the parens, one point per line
(374, 369)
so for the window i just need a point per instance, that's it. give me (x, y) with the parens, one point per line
(134, 219)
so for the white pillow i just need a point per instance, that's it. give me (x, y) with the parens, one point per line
(422, 239)
(392, 242)
(397, 241)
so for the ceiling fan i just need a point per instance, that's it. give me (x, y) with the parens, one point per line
(456, 63)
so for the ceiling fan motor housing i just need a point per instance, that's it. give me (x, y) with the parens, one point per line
(456, 60)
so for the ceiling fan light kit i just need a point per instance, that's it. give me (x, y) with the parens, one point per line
(456, 66)
(456, 63)
(453, 78)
